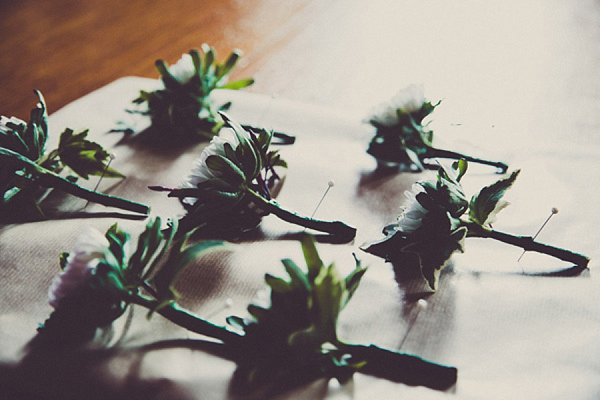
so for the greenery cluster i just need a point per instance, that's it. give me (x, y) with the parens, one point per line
(183, 108)
(27, 169)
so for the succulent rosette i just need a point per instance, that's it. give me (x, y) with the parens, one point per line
(183, 108)
(403, 136)
(438, 218)
(229, 188)
(27, 170)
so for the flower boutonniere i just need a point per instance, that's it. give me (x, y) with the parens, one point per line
(438, 217)
(106, 273)
(293, 338)
(402, 137)
(183, 108)
(28, 170)
(228, 189)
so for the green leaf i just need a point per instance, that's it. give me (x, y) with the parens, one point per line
(248, 154)
(485, 205)
(229, 64)
(197, 60)
(225, 166)
(353, 279)
(239, 84)
(311, 256)
(84, 157)
(209, 58)
(148, 243)
(299, 278)
(460, 166)
(277, 284)
(117, 240)
(328, 295)
(259, 313)
(179, 258)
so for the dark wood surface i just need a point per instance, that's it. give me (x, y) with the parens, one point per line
(524, 64)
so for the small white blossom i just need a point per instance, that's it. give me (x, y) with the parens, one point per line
(200, 171)
(184, 69)
(90, 248)
(409, 100)
(4, 123)
(412, 216)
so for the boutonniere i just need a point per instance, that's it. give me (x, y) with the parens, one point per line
(438, 217)
(27, 170)
(229, 188)
(293, 338)
(106, 273)
(183, 108)
(403, 138)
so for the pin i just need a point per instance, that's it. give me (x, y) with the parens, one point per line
(227, 305)
(330, 184)
(111, 157)
(421, 306)
(552, 212)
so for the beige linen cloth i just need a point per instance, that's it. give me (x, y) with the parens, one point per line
(509, 334)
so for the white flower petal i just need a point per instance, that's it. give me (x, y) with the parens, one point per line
(90, 248)
(184, 69)
(4, 122)
(409, 100)
(200, 172)
(412, 216)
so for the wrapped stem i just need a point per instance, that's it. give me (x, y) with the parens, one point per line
(432, 152)
(529, 244)
(187, 320)
(402, 368)
(336, 228)
(49, 179)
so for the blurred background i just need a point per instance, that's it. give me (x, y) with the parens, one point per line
(527, 65)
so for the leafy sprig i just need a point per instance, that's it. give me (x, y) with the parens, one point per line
(294, 338)
(183, 108)
(403, 138)
(115, 275)
(27, 169)
(229, 188)
(441, 217)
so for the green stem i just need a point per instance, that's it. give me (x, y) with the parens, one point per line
(440, 153)
(336, 228)
(188, 320)
(527, 243)
(49, 179)
(401, 367)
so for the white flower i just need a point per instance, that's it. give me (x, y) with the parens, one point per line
(184, 69)
(90, 248)
(200, 171)
(4, 123)
(409, 100)
(413, 213)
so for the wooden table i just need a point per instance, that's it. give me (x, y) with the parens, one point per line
(519, 81)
